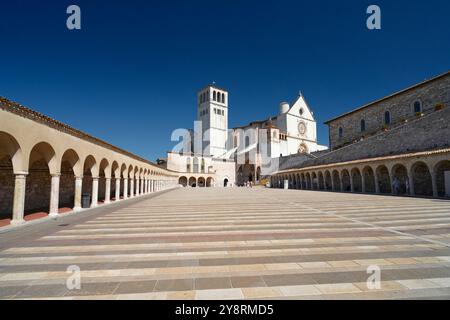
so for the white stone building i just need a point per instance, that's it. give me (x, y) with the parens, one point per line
(226, 157)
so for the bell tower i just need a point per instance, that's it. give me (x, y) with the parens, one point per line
(212, 111)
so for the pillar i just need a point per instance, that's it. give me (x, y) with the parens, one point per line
(117, 195)
(125, 188)
(411, 183)
(352, 186)
(377, 185)
(434, 184)
(363, 183)
(131, 187)
(19, 199)
(54, 196)
(142, 186)
(94, 202)
(77, 197)
(108, 190)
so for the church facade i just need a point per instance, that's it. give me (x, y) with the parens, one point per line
(215, 155)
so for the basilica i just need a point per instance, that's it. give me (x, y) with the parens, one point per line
(234, 156)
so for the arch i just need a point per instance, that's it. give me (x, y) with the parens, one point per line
(42, 162)
(225, 182)
(345, 178)
(183, 181)
(209, 182)
(439, 171)
(70, 168)
(201, 182)
(297, 177)
(400, 180)
(421, 179)
(336, 181)
(223, 97)
(328, 184)
(308, 181)
(11, 148)
(321, 181)
(356, 180)
(11, 161)
(214, 96)
(314, 181)
(192, 182)
(369, 179)
(384, 180)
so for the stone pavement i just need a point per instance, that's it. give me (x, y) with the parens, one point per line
(236, 243)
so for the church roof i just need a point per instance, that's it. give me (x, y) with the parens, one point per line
(390, 96)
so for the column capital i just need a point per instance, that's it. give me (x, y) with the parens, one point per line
(55, 175)
(21, 174)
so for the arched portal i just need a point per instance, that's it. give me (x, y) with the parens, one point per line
(70, 167)
(321, 181)
(38, 186)
(183, 181)
(400, 181)
(9, 151)
(314, 181)
(369, 180)
(328, 184)
(384, 180)
(201, 182)
(357, 180)
(209, 182)
(308, 181)
(346, 185)
(439, 171)
(90, 172)
(225, 182)
(192, 182)
(336, 181)
(422, 179)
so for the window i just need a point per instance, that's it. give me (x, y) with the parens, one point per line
(223, 97)
(341, 132)
(247, 141)
(363, 125)
(301, 111)
(214, 96)
(202, 168)
(387, 118)
(417, 107)
(188, 165)
(223, 112)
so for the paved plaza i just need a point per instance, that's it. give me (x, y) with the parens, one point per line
(236, 243)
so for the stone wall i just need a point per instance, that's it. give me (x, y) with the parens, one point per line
(431, 131)
(6, 188)
(400, 106)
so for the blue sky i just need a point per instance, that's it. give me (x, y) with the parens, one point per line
(130, 76)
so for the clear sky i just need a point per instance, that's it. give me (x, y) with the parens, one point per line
(130, 76)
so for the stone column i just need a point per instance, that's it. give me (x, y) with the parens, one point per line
(411, 184)
(138, 185)
(94, 202)
(352, 186)
(77, 197)
(434, 184)
(54, 196)
(19, 199)
(125, 188)
(363, 183)
(108, 190)
(341, 184)
(117, 195)
(131, 187)
(333, 187)
(142, 187)
(377, 185)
